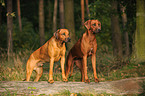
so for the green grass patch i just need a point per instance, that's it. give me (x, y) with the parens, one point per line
(8, 93)
(68, 93)
(108, 68)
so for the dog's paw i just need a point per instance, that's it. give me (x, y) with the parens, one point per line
(51, 81)
(65, 80)
(97, 80)
(87, 81)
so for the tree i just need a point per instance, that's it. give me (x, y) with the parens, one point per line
(41, 22)
(124, 21)
(88, 12)
(140, 31)
(82, 12)
(116, 34)
(19, 15)
(69, 21)
(61, 13)
(55, 16)
(49, 15)
(0, 14)
(2, 4)
(9, 29)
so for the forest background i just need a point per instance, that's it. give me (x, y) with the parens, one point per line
(25, 25)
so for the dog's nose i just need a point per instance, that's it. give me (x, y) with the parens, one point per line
(68, 39)
(99, 30)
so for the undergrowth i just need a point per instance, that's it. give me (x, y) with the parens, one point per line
(108, 68)
(68, 93)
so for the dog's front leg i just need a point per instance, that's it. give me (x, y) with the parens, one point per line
(51, 71)
(62, 68)
(85, 69)
(94, 67)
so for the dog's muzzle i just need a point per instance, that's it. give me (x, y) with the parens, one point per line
(97, 31)
(68, 39)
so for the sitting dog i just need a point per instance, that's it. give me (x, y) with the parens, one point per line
(53, 50)
(84, 47)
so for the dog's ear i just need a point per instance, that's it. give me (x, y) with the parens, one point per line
(56, 33)
(88, 24)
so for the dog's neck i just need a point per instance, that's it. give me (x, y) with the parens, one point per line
(59, 42)
(90, 34)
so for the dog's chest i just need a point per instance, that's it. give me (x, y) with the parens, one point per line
(90, 51)
(58, 54)
(91, 45)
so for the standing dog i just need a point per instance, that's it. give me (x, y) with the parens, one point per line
(53, 50)
(85, 46)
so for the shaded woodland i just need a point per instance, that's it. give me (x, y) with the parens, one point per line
(28, 24)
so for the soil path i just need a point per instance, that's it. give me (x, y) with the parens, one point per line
(119, 87)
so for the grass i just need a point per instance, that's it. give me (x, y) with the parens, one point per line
(143, 89)
(14, 69)
(68, 93)
(8, 93)
(108, 69)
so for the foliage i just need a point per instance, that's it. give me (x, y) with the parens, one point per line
(143, 89)
(24, 42)
(27, 39)
(101, 10)
(68, 93)
(11, 14)
(63, 93)
(2, 2)
(15, 68)
(107, 69)
(3, 39)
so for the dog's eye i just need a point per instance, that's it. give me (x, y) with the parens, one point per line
(99, 24)
(63, 34)
(94, 24)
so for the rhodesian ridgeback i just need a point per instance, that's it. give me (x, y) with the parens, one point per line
(84, 47)
(53, 50)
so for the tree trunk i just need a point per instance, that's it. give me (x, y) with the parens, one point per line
(140, 31)
(88, 12)
(82, 12)
(9, 29)
(0, 15)
(19, 15)
(55, 16)
(116, 34)
(61, 13)
(69, 21)
(41, 22)
(124, 21)
(49, 19)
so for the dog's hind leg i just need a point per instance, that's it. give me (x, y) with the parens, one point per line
(72, 65)
(29, 70)
(68, 64)
(39, 71)
(80, 66)
(31, 63)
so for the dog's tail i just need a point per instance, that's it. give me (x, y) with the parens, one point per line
(69, 64)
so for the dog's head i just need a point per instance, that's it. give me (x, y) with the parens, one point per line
(62, 35)
(93, 25)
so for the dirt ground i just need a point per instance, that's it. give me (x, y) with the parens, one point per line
(119, 87)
